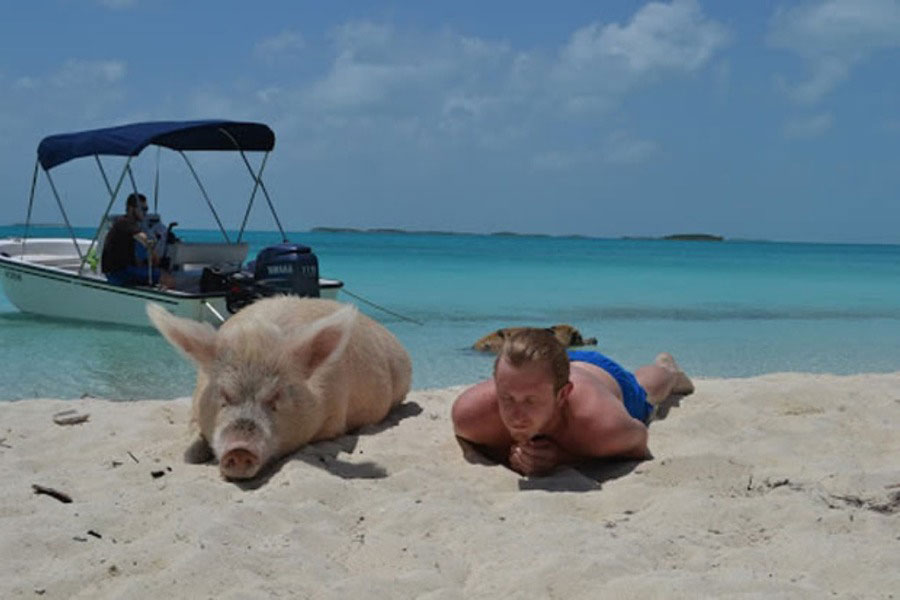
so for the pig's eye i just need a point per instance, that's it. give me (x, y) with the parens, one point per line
(273, 400)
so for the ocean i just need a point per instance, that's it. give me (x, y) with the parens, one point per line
(724, 309)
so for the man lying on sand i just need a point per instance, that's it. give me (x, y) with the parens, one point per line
(545, 407)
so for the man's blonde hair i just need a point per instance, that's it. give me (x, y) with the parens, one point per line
(531, 345)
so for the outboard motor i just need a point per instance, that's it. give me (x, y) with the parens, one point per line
(282, 269)
(288, 269)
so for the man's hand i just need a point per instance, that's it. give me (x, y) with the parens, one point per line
(535, 457)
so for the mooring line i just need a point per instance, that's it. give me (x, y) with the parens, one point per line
(388, 311)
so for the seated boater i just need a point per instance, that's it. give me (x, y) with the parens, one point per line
(545, 407)
(119, 261)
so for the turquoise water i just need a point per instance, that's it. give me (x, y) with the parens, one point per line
(723, 309)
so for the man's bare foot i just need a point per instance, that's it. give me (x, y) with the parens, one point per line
(683, 385)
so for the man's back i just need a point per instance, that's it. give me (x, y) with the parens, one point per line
(596, 423)
(118, 247)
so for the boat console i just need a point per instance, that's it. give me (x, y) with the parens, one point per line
(186, 256)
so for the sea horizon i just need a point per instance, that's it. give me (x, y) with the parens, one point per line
(673, 236)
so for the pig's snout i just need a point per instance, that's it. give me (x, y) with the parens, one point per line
(239, 463)
(240, 457)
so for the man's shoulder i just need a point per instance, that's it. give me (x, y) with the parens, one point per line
(125, 224)
(592, 406)
(483, 389)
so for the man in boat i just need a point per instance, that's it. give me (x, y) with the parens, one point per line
(156, 232)
(545, 407)
(120, 261)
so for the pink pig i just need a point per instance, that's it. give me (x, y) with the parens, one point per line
(284, 372)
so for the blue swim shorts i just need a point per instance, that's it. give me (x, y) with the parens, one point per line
(633, 394)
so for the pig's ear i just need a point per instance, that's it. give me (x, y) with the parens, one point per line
(195, 340)
(324, 340)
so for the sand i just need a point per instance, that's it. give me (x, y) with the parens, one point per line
(780, 486)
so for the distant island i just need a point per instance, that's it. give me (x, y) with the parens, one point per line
(384, 230)
(515, 234)
(679, 237)
(694, 237)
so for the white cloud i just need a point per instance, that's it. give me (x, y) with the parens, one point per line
(808, 127)
(269, 94)
(25, 83)
(601, 63)
(89, 92)
(459, 82)
(560, 161)
(81, 74)
(378, 69)
(674, 36)
(360, 36)
(833, 36)
(621, 148)
(87, 73)
(286, 43)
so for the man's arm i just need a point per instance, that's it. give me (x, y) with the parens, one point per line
(612, 435)
(476, 418)
(148, 243)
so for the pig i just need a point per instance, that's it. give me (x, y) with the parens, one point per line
(284, 372)
(566, 334)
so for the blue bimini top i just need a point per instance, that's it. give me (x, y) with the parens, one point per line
(130, 140)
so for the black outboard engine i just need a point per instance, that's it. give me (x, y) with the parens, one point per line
(283, 269)
(288, 269)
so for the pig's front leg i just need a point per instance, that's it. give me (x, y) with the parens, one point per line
(198, 452)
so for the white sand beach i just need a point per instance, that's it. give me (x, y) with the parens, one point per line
(780, 486)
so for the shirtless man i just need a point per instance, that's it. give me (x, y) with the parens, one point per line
(542, 409)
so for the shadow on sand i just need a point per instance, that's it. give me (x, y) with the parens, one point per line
(325, 454)
(663, 408)
(585, 476)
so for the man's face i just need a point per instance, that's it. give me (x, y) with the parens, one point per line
(526, 398)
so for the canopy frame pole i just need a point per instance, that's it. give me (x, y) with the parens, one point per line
(30, 204)
(133, 182)
(112, 198)
(258, 182)
(65, 217)
(205, 195)
(156, 182)
(271, 208)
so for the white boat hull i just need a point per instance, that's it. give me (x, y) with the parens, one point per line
(59, 292)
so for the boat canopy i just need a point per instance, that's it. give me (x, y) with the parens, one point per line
(130, 140)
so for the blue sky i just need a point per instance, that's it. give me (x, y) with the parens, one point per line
(772, 120)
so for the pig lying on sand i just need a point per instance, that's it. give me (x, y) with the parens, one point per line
(283, 372)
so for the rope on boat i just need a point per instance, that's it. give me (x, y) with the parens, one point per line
(373, 305)
(344, 290)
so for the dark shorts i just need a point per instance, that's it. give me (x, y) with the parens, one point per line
(131, 276)
(633, 394)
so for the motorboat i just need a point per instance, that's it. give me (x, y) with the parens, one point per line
(60, 277)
